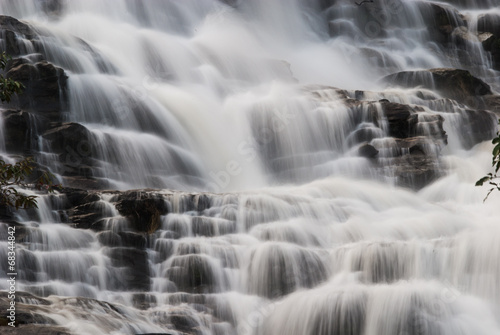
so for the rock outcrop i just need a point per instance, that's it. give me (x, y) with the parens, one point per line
(456, 84)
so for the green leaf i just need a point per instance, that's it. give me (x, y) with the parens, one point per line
(483, 180)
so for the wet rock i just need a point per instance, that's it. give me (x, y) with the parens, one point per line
(489, 23)
(478, 126)
(185, 323)
(368, 151)
(45, 88)
(402, 119)
(441, 21)
(73, 143)
(492, 44)
(86, 183)
(277, 270)
(136, 276)
(53, 8)
(142, 209)
(84, 216)
(10, 28)
(35, 330)
(452, 83)
(17, 134)
(195, 274)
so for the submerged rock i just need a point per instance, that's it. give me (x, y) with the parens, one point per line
(456, 84)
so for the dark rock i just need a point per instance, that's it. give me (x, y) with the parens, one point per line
(402, 119)
(232, 3)
(17, 134)
(185, 323)
(441, 21)
(452, 83)
(45, 88)
(275, 270)
(489, 23)
(137, 276)
(144, 301)
(53, 8)
(142, 209)
(109, 239)
(132, 240)
(492, 44)
(368, 151)
(478, 126)
(84, 216)
(10, 23)
(9, 27)
(194, 274)
(76, 197)
(34, 330)
(73, 143)
(87, 183)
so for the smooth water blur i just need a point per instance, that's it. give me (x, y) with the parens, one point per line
(302, 236)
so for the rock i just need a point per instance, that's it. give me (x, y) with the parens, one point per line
(276, 270)
(185, 323)
(368, 151)
(492, 44)
(76, 197)
(35, 330)
(84, 216)
(455, 84)
(10, 27)
(489, 23)
(53, 8)
(73, 143)
(462, 36)
(478, 126)
(142, 209)
(232, 3)
(492, 103)
(17, 134)
(136, 276)
(194, 274)
(441, 21)
(86, 183)
(402, 119)
(45, 88)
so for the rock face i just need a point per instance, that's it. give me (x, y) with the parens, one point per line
(142, 210)
(455, 84)
(45, 87)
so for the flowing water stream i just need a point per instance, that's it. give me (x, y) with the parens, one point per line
(298, 233)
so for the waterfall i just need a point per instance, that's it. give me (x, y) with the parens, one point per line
(298, 167)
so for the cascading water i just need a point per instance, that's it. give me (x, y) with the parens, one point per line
(281, 112)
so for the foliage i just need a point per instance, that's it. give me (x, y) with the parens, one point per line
(7, 86)
(492, 178)
(13, 176)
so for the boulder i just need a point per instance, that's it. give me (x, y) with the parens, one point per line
(35, 329)
(45, 88)
(17, 133)
(136, 275)
(368, 151)
(456, 84)
(73, 143)
(491, 43)
(142, 209)
(402, 119)
(477, 126)
(84, 216)
(441, 21)
(195, 274)
(489, 23)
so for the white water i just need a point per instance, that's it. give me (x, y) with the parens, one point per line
(311, 240)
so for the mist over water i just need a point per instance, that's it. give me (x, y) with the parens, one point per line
(301, 234)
